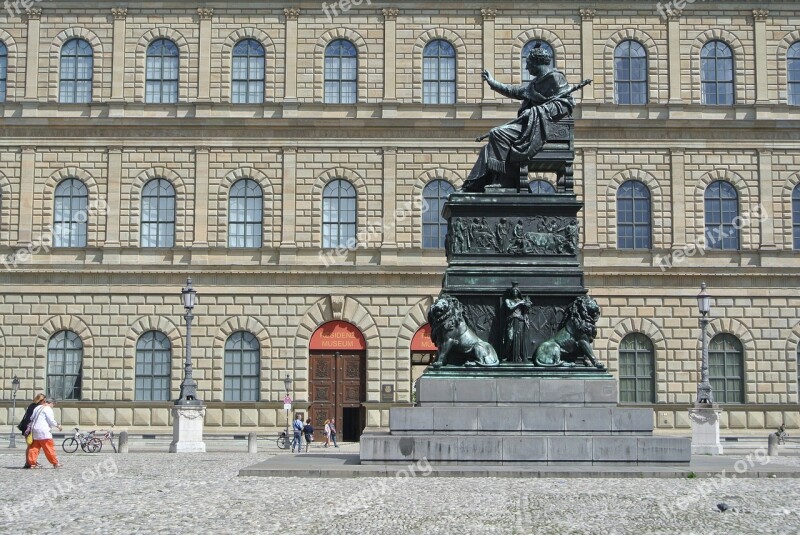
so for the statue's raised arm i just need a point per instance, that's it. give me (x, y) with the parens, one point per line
(546, 97)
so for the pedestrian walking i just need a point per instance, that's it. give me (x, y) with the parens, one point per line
(297, 426)
(333, 432)
(42, 422)
(327, 433)
(308, 433)
(26, 420)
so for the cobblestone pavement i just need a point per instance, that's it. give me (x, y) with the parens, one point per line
(163, 493)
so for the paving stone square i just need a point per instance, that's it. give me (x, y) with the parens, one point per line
(156, 492)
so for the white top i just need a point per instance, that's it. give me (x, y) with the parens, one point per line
(43, 420)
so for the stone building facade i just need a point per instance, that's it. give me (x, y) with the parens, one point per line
(110, 290)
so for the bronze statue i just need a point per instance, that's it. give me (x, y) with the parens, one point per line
(457, 343)
(545, 98)
(573, 342)
(515, 334)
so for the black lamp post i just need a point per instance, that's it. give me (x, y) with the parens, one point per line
(188, 386)
(287, 382)
(12, 438)
(704, 394)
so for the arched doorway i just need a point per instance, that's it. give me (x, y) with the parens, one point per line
(338, 380)
(423, 353)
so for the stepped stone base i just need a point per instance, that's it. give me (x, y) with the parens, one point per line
(506, 420)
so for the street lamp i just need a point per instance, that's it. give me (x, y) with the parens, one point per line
(287, 382)
(704, 394)
(12, 438)
(188, 385)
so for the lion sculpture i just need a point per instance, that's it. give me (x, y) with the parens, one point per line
(457, 343)
(573, 342)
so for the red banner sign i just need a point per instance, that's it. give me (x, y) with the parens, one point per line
(422, 339)
(338, 336)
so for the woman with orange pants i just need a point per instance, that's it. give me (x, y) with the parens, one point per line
(27, 419)
(42, 421)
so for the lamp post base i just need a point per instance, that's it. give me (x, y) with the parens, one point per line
(12, 441)
(705, 429)
(187, 429)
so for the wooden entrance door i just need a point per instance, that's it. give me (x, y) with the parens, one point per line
(338, 382)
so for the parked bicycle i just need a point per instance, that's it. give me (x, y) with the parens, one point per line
(105, 436)
(284, 441)
(86, 440)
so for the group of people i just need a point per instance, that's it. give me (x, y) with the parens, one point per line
(306, 431)
(36, 426)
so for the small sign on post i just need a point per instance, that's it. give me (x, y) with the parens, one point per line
(287, 403)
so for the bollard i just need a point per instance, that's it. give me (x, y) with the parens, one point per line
(252, 444)
(123, 442)
(772, 445)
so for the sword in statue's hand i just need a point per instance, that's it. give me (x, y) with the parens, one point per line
(551, 99)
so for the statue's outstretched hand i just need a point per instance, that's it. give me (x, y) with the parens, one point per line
(488, 77)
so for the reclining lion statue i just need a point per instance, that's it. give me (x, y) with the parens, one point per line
(573, 342)
(457, 343)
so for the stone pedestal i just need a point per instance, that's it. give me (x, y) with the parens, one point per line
(705, 430)
(543, 417)
(187, 429)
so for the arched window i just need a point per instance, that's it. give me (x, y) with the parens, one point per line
(439, 73)
(796, 217)
(633, 216)
(77, 67)
(716, 73)
(541, 187)
(793, 74)
(341, 72)
(153, 367)
(637, 376)
(339, 209)
(242, 365)
(245, 215)
(70, 213)
(434, 226)
(163, 59)
(630, 73)
(526, 50)
(248, 72)
(722, 211)
(158, 214)
(3, 71)
(64, 364)
(726, 368)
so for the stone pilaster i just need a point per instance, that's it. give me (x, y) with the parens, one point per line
(27, 179)
(760, 37)
(289, 224)
(674, 55)
(390, 54)
(587, 51)
(765, 200)
(389, 245)
(204, 75)
(488, 16)
(201, 200)
(32, 58)
(678, 180)
(114, 196)
(589, 156)
(290, 76)
(118, 57)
